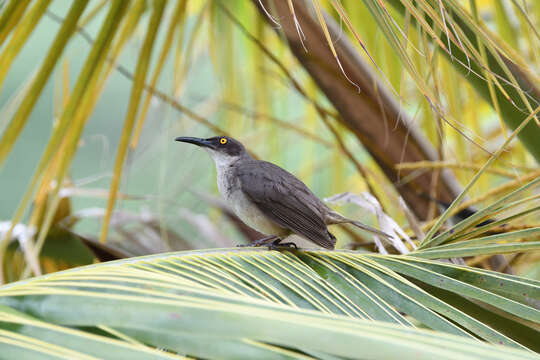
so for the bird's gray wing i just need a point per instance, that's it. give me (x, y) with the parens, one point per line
(285, 200)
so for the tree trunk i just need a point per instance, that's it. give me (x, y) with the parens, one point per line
(373, 115)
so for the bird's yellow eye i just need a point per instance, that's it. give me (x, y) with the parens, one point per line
(223, 141)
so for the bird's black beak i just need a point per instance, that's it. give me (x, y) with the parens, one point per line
(196, 141)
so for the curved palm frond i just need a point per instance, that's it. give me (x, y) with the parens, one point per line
(312, 303)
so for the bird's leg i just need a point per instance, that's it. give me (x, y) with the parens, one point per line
(288, 244)
(276, 245)
(262, 241)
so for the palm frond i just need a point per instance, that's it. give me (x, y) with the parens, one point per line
(312, 301)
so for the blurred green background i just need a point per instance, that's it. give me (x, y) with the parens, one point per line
(159, 169)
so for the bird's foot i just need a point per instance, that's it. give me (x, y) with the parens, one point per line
(262, 241)
(289, 245)
(276, 245)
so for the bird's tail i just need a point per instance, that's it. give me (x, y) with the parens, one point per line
(335, 218)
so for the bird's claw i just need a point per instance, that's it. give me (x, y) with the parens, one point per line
(289, 245)
(276, 245)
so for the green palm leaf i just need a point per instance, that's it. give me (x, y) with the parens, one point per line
(318, 303)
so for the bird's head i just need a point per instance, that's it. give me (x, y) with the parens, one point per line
(223, 149)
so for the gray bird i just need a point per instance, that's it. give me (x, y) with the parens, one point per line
(268, 198)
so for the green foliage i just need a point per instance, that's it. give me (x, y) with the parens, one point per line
(324, 303)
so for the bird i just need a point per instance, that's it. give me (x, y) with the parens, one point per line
(270, 199)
